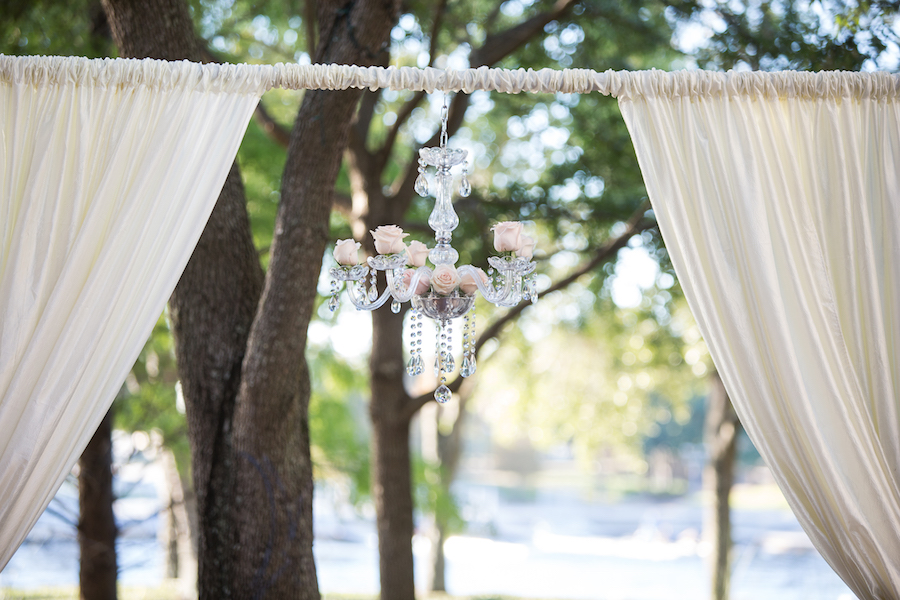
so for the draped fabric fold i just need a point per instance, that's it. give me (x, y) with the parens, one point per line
(108, 173)
(778, 197)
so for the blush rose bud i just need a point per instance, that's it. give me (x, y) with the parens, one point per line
(345, 252)
(389, 239)
(527, 249)
(507, 236)
(445, 279)
(416, 254)
(467, 282)
(424, 282)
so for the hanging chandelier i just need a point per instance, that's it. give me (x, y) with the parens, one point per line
(445, 292)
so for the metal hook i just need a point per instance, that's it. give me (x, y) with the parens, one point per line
(445, 114)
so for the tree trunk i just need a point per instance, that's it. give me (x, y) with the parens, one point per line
(177, 535)
(438, 561)
(449, 452)
(722, 426)
(271, 430)
(211, 309)
(96, 523)
(391, 465)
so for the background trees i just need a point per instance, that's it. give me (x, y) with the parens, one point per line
(240, 313)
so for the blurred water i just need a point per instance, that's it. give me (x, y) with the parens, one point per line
(553, 546)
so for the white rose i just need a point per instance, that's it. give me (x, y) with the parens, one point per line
(417, 252)
(423, 282)
(445, 279)
(507, 236)
(467, 282)
(345, 252)
(389, 239)
(527, 249)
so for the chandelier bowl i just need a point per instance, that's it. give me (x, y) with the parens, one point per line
(443, 308)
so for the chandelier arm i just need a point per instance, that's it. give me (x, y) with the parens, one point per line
(363, 303)
(491, 294)
(401, 295)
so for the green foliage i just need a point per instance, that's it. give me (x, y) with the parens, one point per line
(778, 35)
(148, 400)
(52, 27)
(432, 495)
(337, 420)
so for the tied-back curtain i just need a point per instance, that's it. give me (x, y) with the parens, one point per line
(778, 197)
(108, 173)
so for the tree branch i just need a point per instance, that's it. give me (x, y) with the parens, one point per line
(498, 46)
(406, 110)
(495, 48)
(636, 224)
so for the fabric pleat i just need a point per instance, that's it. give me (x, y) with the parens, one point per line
(777, 194)
(781, 212)
(108, 173)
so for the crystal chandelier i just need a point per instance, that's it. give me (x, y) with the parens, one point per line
(445, 292)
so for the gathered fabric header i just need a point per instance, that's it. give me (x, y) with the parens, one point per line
(624, 85)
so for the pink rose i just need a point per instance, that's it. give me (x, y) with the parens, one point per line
(507, 236)
(527, 249)
(345, 252)
(445, 279)
(417, 252)
(389, 239)
(423, 282)
(467, 282)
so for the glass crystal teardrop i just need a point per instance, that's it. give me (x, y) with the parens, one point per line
(443, 394)
(437, 366)
(449, 363)
(465, 188)
(373, 294)
(415, 366)
(421, 185)
(333, 303)
(468, 366)
(395, 307)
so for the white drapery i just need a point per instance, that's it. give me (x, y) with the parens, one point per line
(108, 173)
(778, 197)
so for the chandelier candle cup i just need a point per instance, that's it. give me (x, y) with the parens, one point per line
(444, 291)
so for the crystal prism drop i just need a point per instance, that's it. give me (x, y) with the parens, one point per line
(449, 363)
(395, 307)
(333, 303)
(373, 294)
(465, 188)
(421, 185)
(442, 395)
(437, 366)
(415, 366)
(468, 366)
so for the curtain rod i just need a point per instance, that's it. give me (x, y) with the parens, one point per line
(624, 85)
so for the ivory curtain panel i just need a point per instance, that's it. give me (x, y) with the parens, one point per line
(108, 173)
(778, 197)
(777, 194)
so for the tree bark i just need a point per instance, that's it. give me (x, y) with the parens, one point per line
(211, 309)
(722, 427)
(240, 339)
(96, 524)
(271, 434)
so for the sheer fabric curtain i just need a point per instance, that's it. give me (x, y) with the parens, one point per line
(108, 173)
(779, 200)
